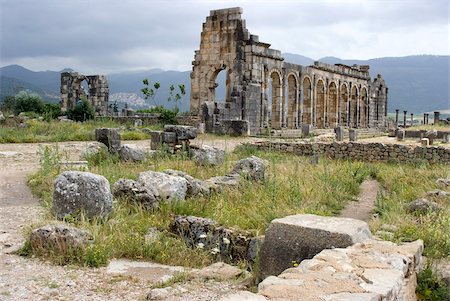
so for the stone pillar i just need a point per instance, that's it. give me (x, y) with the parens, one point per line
(396, 117)
(401, 135)
(424, 118)
(437, 117)
(109, 137)
(404, 119)
(412, 119)
(306, 130)
(352, 135)
(339, 131)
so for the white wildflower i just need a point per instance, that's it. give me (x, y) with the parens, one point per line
(226, 241)
(200, 245)
(202, 235)
(215, 251)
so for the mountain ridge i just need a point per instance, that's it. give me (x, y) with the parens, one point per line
(417, 83)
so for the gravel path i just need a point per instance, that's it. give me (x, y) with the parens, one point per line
(34, 279)
(362, 207)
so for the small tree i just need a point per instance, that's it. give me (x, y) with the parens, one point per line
(28, 102)
(148, 90)
(82, 111)
(177, 97)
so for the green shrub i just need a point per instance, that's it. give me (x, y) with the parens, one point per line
(166, 116)
(430, 288)
(82, 111)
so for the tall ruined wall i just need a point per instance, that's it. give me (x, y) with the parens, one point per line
(267, 92)
(72, 91)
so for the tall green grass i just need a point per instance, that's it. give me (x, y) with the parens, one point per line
(56, 131)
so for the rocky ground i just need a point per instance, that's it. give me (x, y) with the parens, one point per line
(33, 279)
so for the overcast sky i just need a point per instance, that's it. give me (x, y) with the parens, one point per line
(106, 36)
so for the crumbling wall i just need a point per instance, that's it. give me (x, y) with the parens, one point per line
(72, 91)
(271, 94)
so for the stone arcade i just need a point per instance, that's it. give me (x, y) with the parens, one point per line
(263, 91)
(72, 91)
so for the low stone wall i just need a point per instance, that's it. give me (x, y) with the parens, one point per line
(417, 134)
(229, 245)
(369, 271)
(371, 152)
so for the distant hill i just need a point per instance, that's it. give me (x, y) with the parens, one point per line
(12, 86)
(416, 83)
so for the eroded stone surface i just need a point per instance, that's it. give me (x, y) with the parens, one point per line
(251, 168)
(169, 188)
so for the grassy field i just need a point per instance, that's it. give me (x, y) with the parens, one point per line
(56, 131)
(294, 186)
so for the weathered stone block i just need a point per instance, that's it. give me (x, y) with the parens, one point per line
(235, 127)
(169, 137)
(155, 139)
(339, 131)
(109, 137)
(400, 135)
(76, 191)
(353, 135)
(298, 237)
(306, 130)
(183, 132)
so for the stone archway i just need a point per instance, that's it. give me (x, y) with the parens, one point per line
(321, 106)
(343, 101)
(333, 110)
(276, 99)
(292, 121)
(363, 107)
(221, 86)
(307, 101)
(353, 111)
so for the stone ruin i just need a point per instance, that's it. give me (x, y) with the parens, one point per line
(72, 91)
(263, 91)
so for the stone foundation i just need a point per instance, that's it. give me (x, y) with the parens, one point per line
(370, 152)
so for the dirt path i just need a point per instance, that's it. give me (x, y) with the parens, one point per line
(362, 208)
(33, 279)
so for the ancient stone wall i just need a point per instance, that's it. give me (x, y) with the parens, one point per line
(269, 93)
(72, 91)
(371, 152)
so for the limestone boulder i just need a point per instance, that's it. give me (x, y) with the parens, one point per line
(219, 182)
(76, 191)
(92, 149)
(208, 155)
(422, 206)
(136, 192)
(219, 271)
(443, 182)
(194, 186)
(109, 137)
(294, 238)
(438, 194)
(252, 168)
(183, 132)
(59, 238)
(128, 152)
(169, 188)
(2, 117)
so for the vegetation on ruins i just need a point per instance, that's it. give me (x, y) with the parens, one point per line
(34, 130)
(294, 185)
(82, 111)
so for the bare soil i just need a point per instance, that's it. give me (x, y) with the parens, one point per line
(361, 208)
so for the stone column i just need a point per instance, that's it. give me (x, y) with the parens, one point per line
(396, 117)
(404, 119)
(424, 118)
(412, 119)
(437, 117)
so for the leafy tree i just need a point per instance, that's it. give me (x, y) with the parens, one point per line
(28, 102)
(51, 111)
(148, 90)
(177, 97)
(82, 111)
(8, 104)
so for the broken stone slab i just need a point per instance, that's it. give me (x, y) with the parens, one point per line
(194, 186)
(251, 168)
(155, 139)
(400, 135)
(92, 149)
(219, 182)
(443, 182)
(298, 237)
(169, 188)
(76, 191)
(423, 206)
(109, 137)
(425, 142)
(59, 239)
(128, 152)
(152, 272)
(169, 137)
(218, 271)
(438, 193)
(235, 127)
(136, 192)
(183, 132)
(353, 135)
(208, 155)
(226, 244)
(339, 131)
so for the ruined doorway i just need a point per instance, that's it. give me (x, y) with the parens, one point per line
(307, 112)
(363, 108)
(276, 97)
(222, 86)
(354, 107)
(320, 104)
(292, 102)
(343, 100)
(333, 105)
